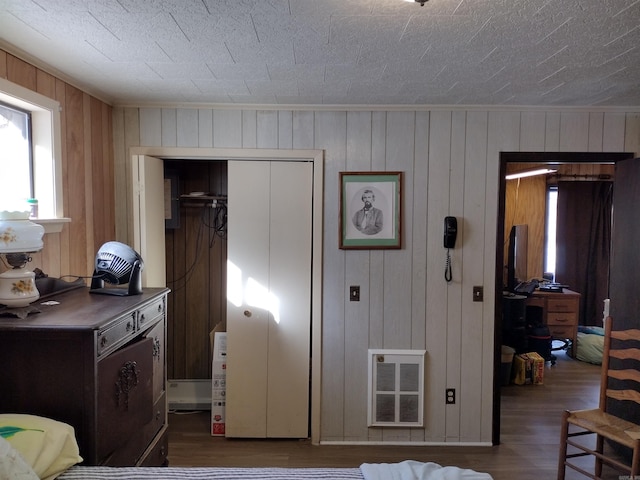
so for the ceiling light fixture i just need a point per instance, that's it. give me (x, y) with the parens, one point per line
(529, 173)
(421, 2)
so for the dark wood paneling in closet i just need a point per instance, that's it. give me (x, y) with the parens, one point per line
(196, 270)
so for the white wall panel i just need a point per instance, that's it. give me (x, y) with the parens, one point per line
(436, 298)
(419, 179)
(574, 132)
(227, 128)
(473, 313)
(303, 130)
(552, 132)
(397, 263)
(249, 128)
(285, 129)
(267, 123)
(150, 127)
(451, 162)
(596, 122)
(205, 128)
(169, 127)
(532, 131)
(132, 135)
(613, 132)
(330, 132)
(457, 197)
(187, 127)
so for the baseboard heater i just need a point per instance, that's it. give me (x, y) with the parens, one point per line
(189, 394)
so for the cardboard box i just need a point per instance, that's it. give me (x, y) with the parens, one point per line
(528, 369)
(218, 383)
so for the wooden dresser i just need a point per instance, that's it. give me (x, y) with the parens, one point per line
(96, 362)
(560, 312)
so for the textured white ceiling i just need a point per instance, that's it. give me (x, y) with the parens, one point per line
(338, 52)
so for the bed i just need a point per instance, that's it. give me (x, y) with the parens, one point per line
(406, 470)
(37, 448)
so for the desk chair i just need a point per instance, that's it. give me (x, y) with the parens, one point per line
(620, 346)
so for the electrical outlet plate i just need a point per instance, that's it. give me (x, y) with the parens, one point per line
(450, 396)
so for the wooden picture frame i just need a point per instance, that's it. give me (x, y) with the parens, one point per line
(370, 210)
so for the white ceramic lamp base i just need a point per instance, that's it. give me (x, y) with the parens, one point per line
(18, 288)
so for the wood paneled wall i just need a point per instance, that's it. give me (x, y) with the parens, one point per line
(196, 270)
(526, 203)
(87, 170)
(451, 164)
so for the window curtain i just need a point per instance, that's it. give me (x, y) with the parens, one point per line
(583, 244)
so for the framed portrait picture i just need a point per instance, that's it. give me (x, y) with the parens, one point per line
(370, 210)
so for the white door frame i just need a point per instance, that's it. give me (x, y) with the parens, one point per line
(294, 155)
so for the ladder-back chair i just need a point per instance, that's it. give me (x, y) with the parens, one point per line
(622, 346)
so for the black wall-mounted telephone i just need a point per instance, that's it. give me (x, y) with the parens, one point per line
(450, 234)
(450, 231)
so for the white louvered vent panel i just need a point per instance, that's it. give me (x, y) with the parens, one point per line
(396, 388)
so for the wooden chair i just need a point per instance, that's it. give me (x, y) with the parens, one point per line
(605, 426)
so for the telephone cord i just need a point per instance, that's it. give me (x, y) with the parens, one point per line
(447, 268)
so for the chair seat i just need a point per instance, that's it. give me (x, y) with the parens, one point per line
(607, 425)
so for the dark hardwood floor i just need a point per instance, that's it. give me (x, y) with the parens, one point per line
(530, 432)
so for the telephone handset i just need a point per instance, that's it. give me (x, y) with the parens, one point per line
(450, 231)
(450, 234)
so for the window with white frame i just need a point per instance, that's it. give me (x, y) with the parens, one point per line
(15, 155)
(30, 151)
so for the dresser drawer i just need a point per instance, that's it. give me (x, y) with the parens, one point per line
(116, 334)
(562, 332)
(156, 455)
(562, 305)
(150, 312)
(560, 318)
(125, 400)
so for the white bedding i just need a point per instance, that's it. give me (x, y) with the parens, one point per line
(407, 470)
(412, 470)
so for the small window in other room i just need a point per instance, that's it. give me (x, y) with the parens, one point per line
(550, 234)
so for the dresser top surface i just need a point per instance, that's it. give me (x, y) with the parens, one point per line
(77, 309)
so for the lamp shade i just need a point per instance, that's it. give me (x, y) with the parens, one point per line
(18, 235)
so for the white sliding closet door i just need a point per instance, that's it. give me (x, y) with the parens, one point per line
(268, 298)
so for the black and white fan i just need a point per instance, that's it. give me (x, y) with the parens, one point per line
(118, 264)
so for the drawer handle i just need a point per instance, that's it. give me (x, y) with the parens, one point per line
(103, 341)
(129, 326)
(563, 320)
(247, 313)
(159, 308)
(127, 381)
(142, 318)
